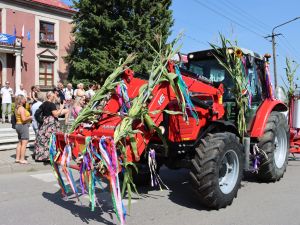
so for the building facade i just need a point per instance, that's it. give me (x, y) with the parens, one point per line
(35, 36)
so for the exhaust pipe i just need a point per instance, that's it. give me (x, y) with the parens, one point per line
(246, 142)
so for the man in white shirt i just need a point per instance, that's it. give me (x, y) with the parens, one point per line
(68, 92)
(6, 94)
(21, 91)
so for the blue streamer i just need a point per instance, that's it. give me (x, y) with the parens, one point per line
(52, 155)
(186, 94)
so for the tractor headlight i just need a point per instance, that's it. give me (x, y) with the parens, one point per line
(162, 129)
(230, 50)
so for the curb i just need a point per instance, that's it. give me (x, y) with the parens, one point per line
(8, 165)
(18, 168)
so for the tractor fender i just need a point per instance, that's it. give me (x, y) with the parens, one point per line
(263, 114)
(217, 126)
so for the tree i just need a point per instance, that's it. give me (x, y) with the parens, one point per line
(106, 31)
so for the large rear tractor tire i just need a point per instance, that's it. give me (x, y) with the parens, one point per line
(217, 169)
(275, 143)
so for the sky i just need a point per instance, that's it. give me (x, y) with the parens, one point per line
(247, 22)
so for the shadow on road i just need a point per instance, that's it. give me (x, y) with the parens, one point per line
(81, 211)
(253, 178)
(181, 192)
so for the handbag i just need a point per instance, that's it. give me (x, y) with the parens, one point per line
(13, 121)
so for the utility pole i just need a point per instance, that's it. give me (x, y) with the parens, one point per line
(273, 35)
(274, 59)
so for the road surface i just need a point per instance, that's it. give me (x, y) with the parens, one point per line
(34, 198)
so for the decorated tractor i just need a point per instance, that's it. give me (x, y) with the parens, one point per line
(215, 115)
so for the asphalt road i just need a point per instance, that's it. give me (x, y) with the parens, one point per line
(34, 198)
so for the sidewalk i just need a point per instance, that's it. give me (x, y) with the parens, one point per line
(8, 154)
(8, 165)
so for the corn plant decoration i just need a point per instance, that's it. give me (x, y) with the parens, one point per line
(291, 69)
(138, 109)
(230, 57)
(90, 112)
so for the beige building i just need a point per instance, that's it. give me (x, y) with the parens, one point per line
(35, 36)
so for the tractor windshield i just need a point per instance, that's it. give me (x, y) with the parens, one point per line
(210, 68)
(213, 71)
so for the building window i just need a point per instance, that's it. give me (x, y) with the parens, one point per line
(0, 20)
(46, 74)
(46, 31)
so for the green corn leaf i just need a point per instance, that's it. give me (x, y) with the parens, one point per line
(171, 112)
(233, 65)
(134, 146)
(171, 76)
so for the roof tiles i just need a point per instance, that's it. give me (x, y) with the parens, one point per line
(54, 3)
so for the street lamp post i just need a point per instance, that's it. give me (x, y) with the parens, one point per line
(274, 47)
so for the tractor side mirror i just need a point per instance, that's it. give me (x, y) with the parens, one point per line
(249, 61)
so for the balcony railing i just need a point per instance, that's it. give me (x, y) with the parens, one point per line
(45, 43)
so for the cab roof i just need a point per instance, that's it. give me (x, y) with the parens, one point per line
(208, 54)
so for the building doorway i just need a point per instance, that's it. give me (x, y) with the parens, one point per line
(1, 74)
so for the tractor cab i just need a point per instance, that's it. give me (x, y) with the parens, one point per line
(204, 65)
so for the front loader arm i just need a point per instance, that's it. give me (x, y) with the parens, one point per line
(161, 97)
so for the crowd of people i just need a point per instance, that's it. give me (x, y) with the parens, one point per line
(61, 102)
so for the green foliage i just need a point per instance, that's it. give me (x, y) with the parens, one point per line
(229, 56)
(139, 108)
(89, 113)
(106, 31)
(291, 69)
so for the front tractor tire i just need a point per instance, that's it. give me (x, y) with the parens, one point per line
(217, 169)
(275, 143)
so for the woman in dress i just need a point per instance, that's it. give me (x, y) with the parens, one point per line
(23, 120)
(77, 107)
(49, 126)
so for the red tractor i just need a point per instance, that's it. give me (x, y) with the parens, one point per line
(209, 143)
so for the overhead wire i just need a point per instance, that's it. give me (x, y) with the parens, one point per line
(255, 26)
(195, 39)
(228, 18)
(287, 47)
(283, 49)
(244, 13)
(234, 13)
(290, 46)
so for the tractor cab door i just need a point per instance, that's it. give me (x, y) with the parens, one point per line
(254, 77)
(213, 71)
(254, 86)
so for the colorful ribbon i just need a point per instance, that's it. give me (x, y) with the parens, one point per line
(268, 81)
(185, 97)
(110, 159)
(124, 100)
(155, 178)
(53, 154)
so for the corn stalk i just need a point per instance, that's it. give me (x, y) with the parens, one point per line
(230, 57)
(291, 70)
(90, 111)
(138, 110)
